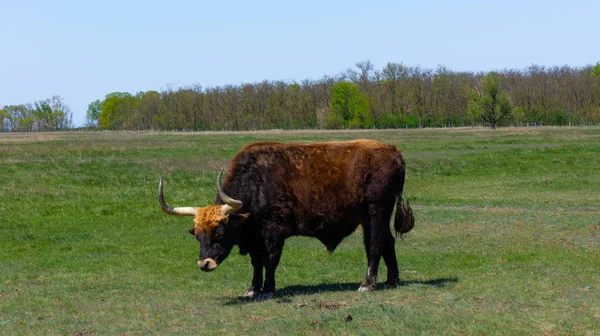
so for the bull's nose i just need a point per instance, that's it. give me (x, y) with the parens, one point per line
(207, 265)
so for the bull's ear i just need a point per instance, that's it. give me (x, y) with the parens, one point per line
(238, 219)
(193, 230)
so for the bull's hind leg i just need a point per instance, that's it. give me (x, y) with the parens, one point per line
(373, 256)
(377, 239)
(389, 256)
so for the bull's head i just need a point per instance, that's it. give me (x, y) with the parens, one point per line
(215, 226)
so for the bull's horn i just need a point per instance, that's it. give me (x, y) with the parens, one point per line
(230, 203)
(181, 211)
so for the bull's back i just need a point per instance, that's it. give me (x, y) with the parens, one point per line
(322, 181)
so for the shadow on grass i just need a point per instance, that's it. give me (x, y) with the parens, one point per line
(284, 294)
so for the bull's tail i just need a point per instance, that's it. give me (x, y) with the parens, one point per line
(404, 220)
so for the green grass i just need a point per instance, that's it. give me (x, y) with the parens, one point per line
(507, 239)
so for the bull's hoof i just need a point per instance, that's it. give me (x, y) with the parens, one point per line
(263, 296)
(366, 288)
(392, 283)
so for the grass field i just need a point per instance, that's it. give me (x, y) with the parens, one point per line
(507, 239)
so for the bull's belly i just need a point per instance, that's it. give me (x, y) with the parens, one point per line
(329, 233)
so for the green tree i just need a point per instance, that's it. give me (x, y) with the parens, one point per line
(115, 110)
(93, 113)
(349, 107)
(596, 70)
(489, 102)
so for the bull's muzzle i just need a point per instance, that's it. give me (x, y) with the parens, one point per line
(208, 264)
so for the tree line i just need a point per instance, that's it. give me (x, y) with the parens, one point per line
(396, 96)
(51, 114)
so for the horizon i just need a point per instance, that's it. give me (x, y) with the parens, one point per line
(82, 52)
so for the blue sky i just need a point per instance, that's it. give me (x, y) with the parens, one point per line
(82, 50)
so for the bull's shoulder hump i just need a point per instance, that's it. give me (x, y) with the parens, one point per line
(256, 145)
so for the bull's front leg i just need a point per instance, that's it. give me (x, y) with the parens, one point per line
(273, 249)
(257, 278)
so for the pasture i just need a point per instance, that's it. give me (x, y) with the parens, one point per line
(506, 241)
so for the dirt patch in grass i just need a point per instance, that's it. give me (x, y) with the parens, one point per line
(330, 305)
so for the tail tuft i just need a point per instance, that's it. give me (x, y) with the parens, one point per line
(404, 220)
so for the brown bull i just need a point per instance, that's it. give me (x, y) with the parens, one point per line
(324, 190)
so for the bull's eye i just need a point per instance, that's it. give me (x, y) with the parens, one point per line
(218, 233)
